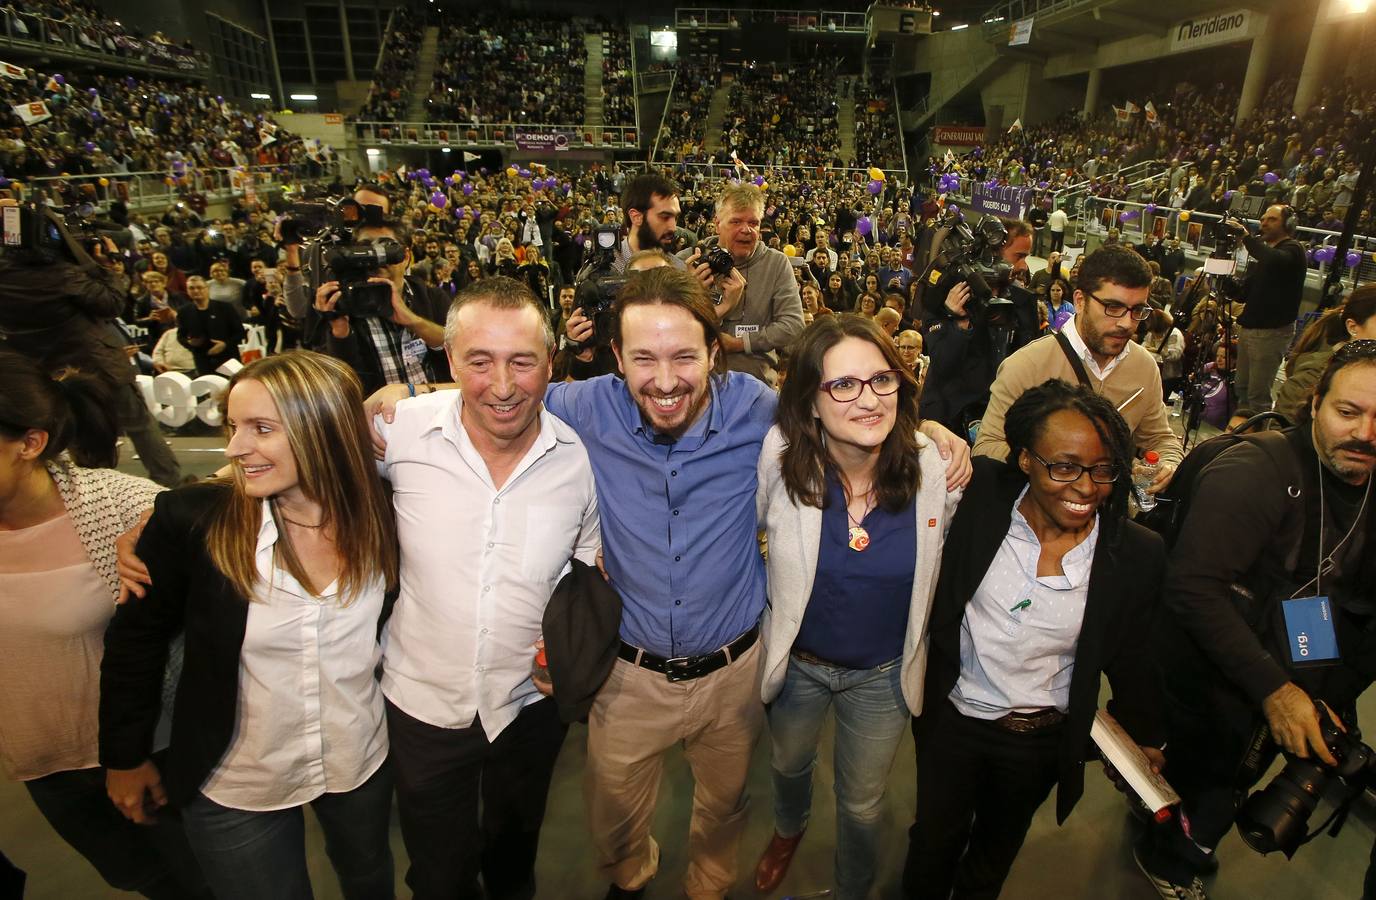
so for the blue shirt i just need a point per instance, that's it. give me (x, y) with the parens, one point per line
(679, 530)
(857, 615)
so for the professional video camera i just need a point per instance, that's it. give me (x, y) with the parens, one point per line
(352, 265)
(331, 220)
(46, 234)
(1277, 816)
(958, 253)
(597, 284)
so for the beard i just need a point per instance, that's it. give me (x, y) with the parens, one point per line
(646, 238)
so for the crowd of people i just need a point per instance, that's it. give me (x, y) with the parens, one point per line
(110, 124)
(497, 67)
(91, 28)
(389, 94)
(684, 129)
(1308, 161)
(618, 83)
(784, 114)
(876, 125)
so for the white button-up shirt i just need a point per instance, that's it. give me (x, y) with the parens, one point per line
(1015, 656)
(478, 563)
(310, 716)
(1092, 364)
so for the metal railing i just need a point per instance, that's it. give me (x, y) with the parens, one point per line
(718, 17)
(997, 20)
(664, 116)
(902, 141)
(1195, 229)
(154, 190)
(728, 171)
(65, 40)
(635, 94)
(650, 82)
(505, 134)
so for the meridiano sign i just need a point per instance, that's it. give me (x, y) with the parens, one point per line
(1223, 28)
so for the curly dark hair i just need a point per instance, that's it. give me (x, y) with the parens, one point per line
(1026, 419)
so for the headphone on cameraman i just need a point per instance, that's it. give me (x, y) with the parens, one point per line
(1287, 218)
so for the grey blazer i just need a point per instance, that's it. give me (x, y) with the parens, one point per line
(794, 533)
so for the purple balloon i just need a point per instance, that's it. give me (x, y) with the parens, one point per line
(1325, 255)
(1228, 195)
(876, 186)
(1319, 151)
(467, 188)
(90, 146)
(1270, 178)
(93, 92)
(758, 180)
(439, 199)
(1354, 259)
(1043, 184)
(864, 226)
(1149, 208)
(59, 79)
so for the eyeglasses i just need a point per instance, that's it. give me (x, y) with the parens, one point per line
(1105, 473)
(908, 347)
(848, 388)
(1115, 310)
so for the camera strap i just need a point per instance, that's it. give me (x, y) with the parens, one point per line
(1075, 362)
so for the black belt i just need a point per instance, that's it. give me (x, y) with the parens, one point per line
(686, 668)
(1026, 723)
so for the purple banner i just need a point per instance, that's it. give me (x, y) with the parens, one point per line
(1008, 202)
(546, 141)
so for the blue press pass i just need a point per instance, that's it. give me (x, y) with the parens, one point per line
(1309, 626)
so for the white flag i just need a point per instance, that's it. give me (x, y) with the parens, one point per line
(470, 157)
(33, 113)
(1016, 126)
(12, 72)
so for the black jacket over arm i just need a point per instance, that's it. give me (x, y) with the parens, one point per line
(1120, 609)
(187, 590)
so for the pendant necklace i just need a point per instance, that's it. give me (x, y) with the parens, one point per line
(859, 537)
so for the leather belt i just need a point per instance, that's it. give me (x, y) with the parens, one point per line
(686, 668)
(1026, 723)
(814, 659)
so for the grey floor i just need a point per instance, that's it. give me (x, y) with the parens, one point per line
(1089, 857)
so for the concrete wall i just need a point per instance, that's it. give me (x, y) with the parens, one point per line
(180, 20)
(1133, 50)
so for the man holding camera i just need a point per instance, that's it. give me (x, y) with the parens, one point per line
(1271, 291)
(400, 341)
(303, 259)
(770, 313)
(1282, 620)
(964, 358)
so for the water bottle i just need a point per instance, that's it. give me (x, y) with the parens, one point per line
(1178, 404)
(540, 670)
(1145, 474)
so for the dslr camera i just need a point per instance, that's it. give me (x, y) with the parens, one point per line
(1277, 816)
(597, 284)
(352, 265)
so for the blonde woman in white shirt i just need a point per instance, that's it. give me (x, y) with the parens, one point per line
(278, 575)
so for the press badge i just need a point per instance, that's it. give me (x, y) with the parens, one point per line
(1309, 630)
(413, 350)
(743, 330)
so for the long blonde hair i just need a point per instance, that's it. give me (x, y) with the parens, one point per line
(320, 402)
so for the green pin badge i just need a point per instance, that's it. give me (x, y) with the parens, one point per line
(1024, 604)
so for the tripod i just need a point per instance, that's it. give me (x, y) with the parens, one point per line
(1193, 389)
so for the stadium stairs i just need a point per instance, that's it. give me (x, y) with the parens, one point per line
(716, 118)
(845, 118)
(592, 81)
(423, 81)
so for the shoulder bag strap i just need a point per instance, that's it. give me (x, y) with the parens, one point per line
(1075, 362)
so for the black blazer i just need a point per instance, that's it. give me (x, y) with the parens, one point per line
(188, 592)
(1124, 593)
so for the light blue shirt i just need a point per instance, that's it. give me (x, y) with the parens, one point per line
(1018, 656)
(679, 530)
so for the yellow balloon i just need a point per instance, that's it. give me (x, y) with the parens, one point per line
(774, 119)
(764, 185)
(169, 181)
(790, 250)
(104, 182)
(1185, 215)
(512, 171)
(876, 173)
(66, 174)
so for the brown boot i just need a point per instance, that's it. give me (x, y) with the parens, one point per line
(774, 862)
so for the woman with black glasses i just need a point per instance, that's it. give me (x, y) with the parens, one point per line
(853, 500)
(1045, 584)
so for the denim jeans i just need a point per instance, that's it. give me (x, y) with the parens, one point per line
(870, 718)
(262, 855)
(154, 861)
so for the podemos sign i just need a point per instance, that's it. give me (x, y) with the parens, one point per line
(1008, 202)
(543, 140)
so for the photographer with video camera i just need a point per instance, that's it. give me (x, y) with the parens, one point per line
(58, 305)
(651, 209)
(305, 233)
(1268, 645)
(979, 316)
(387, 327)
(1271, 290)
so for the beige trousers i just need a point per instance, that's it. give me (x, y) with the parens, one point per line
(637, 716)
